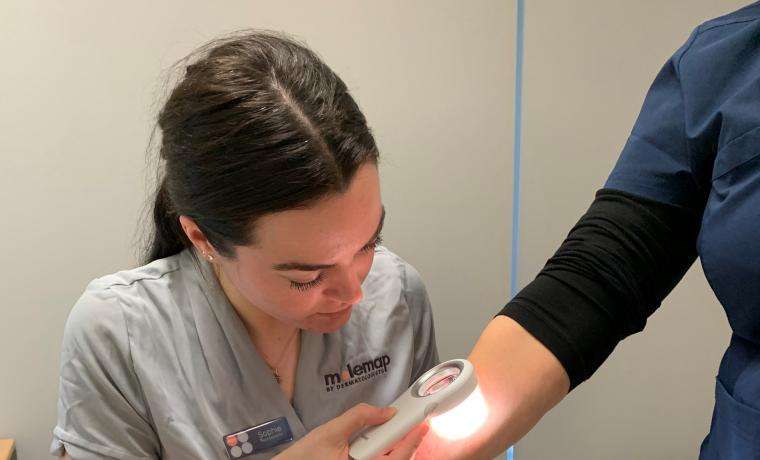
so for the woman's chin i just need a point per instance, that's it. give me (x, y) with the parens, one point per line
(327, 323)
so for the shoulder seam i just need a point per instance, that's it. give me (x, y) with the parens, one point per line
(144, 278)
(734, 21)
(702, 28)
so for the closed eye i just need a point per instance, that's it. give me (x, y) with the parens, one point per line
(307, 285)
(303, 287)
(374, 244)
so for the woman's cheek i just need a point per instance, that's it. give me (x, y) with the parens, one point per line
(298, 304)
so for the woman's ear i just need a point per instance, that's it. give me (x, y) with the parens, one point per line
(196, 236)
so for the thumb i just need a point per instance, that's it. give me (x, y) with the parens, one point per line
(359, 417)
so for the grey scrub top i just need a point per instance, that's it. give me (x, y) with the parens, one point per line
(156, 363)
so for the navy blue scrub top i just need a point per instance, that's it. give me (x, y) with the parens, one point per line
(696, 144)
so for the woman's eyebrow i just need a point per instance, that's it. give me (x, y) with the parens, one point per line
(303, 267)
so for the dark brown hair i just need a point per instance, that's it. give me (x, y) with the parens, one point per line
(257, 124)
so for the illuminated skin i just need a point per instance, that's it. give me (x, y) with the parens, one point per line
(463, 420)
(520, 379)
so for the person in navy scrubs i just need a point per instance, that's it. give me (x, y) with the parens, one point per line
(686, 185)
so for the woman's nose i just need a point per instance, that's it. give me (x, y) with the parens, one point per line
(347, 287)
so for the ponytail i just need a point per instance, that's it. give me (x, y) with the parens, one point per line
(168, 237)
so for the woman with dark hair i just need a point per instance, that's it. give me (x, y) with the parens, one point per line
(266, 306)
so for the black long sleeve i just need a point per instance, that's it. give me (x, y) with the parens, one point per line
(612, 271)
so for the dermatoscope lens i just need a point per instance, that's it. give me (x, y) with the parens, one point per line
(439, 381)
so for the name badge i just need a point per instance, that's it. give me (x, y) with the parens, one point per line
(259, 438)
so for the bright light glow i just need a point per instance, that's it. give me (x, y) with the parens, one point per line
(463, 420)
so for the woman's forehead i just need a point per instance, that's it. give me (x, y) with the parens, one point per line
(332, 224)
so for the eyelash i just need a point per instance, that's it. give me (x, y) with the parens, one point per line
(302, 287)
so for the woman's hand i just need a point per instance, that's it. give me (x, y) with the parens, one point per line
(330, 441)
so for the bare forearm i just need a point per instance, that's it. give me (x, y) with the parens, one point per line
(521, 381)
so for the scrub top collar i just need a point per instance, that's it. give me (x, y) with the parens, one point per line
(253, 370)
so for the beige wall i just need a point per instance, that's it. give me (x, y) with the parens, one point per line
(588, 65)
(80, 80)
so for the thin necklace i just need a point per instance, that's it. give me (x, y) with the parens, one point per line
(274, 370)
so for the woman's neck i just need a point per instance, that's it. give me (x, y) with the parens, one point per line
(277, 342)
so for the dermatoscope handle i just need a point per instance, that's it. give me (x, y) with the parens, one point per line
(369, 443)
